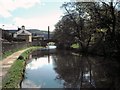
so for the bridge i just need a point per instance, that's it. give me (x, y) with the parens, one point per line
(45, 42)
(42, 42)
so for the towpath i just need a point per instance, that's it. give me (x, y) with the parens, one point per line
(6, 63)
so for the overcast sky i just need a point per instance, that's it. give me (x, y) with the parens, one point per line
(37, 14)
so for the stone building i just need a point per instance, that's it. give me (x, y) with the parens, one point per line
(23, 34)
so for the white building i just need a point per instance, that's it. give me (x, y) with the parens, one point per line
(23, 34)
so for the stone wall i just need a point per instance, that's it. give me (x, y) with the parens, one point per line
(9, 46)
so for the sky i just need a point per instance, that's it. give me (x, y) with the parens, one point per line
(33, 14)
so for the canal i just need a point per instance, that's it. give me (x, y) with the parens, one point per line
(65, 69)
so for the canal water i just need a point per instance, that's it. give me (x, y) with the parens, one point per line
(65, 69)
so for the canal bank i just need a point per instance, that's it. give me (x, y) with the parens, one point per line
(15, 65)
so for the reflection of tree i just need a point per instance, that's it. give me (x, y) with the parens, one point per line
(81, 71)
(73, 70)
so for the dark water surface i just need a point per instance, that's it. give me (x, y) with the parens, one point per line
(65, 69)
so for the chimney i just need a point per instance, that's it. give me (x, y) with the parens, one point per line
(23, 27)
(19, 29)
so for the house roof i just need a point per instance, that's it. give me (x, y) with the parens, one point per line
(23, 32)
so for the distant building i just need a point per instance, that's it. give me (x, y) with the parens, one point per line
(35, 36)
(23, 34)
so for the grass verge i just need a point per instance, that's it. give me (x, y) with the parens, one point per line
(14, 75)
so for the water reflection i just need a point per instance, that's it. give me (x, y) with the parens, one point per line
(38, 63)
(39, 72)
(30, 84)
(62, 69)
(74, 70)
(86, 72)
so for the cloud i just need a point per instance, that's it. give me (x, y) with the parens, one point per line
(4, 13)
(7, 26)
(39, 22)
(6, 6)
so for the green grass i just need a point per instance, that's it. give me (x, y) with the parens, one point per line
(76, 45)
(14, 75)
